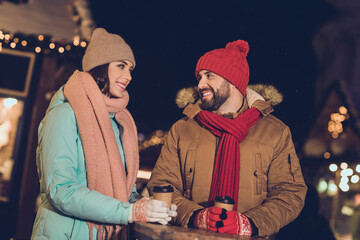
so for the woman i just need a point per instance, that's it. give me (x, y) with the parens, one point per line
(87, 154)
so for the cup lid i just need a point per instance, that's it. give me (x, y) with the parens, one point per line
(163, 189)
(225, 199)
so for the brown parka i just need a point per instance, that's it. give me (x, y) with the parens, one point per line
(271, 188)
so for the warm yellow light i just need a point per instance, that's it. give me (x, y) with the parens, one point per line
(12, 45)
(76, 40)
(61, 50)
(342, 118)
(339, 130)
(24, 43)
(159, 133)
(16, 40)
(83, 44)
(0, 46)
(38, 49)
(7, 36)
(335, 135)
(41, 38)
(68, 47)
(333, 167)
(327, 155)
(331, 128)
(343, 110)
(52, 45)
(144, 174)
(344, 165)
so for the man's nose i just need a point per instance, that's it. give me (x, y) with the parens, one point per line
(202, 83)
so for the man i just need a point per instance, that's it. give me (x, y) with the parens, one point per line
(224, 148)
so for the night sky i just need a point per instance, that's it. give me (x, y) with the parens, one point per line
(168, 37)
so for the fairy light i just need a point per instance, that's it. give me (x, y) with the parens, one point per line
(38, 49)
(327, 155)
(76, 41)
(344, 165)
(40, 45)
(355, 179)
(333, 167)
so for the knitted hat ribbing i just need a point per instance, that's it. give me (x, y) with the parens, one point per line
(229, 62)
(104, 48)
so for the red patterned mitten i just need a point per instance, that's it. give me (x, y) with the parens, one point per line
(236, 223)
(206, 219)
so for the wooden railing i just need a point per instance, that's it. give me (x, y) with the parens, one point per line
(147, 231)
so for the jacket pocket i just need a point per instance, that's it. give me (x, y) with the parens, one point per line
(189, 171)
(258, 174)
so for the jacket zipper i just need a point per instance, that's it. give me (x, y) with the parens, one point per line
(289, 161)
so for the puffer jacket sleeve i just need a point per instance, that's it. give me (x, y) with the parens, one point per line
(286, 189)
(59, 170)
(167, 171)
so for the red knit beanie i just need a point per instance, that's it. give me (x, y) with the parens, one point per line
(229, 62)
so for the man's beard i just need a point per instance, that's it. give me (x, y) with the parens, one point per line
(218, 99)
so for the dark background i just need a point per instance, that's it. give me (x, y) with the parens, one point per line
(168, 37)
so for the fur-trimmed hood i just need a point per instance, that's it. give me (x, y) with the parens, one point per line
(190, 95)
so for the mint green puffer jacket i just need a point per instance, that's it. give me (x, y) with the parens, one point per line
(66, 202)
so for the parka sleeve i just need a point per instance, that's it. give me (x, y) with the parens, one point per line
(58, 166)
(167, 171)
(286, 189)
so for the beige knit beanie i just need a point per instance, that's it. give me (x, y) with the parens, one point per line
(105, 48)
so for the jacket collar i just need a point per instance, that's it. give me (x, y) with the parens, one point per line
(263, 106)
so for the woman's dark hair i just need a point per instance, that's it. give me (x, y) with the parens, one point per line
(101, 77)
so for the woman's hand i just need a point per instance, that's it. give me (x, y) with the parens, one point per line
(151, 210)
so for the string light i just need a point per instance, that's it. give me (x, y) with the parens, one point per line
(42, 44)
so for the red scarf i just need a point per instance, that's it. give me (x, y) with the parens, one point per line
(226, 175)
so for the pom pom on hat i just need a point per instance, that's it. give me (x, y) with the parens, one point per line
(242, 45)
(229, 62)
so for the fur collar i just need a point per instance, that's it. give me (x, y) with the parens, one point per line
(190, 95)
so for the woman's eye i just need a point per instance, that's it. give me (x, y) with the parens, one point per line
(122, 66)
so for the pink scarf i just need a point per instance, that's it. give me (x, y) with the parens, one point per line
(105, 170)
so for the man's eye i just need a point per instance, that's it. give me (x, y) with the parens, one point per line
(208, 75)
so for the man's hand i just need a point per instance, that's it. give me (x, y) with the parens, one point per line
(235, 223)
(207, 218)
